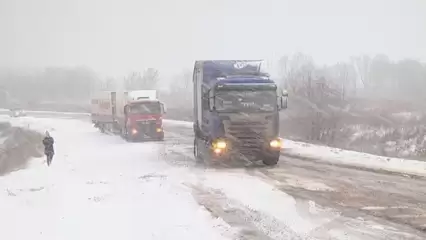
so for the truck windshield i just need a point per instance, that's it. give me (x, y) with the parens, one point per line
(145, 108)
(246, 101)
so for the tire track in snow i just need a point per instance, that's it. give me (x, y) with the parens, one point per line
(251, 224)
(360, 224)
(351, 200)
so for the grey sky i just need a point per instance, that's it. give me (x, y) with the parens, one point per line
(115, 37)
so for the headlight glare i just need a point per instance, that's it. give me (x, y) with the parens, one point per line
(276, 143)
(220, 144)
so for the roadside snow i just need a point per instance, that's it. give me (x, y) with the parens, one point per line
(344, 157)
(177, 122)
(50, 112)
(300, 219)
(99, 187)
(281, 216)
(356, 159)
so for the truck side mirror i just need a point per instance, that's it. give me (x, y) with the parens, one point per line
(283, 100)
(210, 100)
(163, 108)
(211, 104)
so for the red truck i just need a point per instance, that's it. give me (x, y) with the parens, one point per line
(135, 115)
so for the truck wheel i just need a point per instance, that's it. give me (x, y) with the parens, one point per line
(271, 160)
(197, 155)
(126, 135)
(129, 138)
(160, 137)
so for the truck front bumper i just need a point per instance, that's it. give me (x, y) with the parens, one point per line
(156, 133)
(223, 150)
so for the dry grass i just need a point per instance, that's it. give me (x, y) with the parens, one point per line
(18, 147)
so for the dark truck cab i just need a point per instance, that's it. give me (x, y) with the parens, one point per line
(236, 111)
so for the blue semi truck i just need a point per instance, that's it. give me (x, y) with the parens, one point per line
(236, 112)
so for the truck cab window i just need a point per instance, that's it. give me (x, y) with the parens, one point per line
(126, 110)
(246, 101)
(145, 108)
(205, 100)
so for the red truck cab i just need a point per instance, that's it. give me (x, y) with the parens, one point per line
(144, 120)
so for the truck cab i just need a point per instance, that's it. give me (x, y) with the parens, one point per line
(143, 119)
(136, 115)
(236, 110)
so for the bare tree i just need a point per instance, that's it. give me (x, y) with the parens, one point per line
(150, 78)
(362, 65)
(181, 90)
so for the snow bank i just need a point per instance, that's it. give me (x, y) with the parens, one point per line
(61, 113)
(319, 153)
(282, 216)
(49, 112)
(299, 219)
(344, 157)
(352, 158)
(99, 187)
(177, 122)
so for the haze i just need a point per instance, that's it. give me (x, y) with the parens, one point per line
(116, 37)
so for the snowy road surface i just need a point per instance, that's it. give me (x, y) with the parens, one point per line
(100, 187)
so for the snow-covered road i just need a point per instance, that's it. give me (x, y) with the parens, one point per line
(101, 187)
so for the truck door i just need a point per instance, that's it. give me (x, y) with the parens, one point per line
(198, 81)
(204, 108)
(114, 105)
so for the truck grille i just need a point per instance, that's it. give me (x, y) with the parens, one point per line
(146, 126)
(248, 136)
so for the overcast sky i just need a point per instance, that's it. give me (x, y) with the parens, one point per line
(117, 36)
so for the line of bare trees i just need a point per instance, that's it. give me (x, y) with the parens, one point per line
(333, 99)
(361, 76)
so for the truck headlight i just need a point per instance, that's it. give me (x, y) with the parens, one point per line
(220, 144)
(276, 143)
(134, 131)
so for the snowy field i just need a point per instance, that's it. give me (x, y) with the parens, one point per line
(101, 187)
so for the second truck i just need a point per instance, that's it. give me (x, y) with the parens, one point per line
(236, 112)
(136, 115)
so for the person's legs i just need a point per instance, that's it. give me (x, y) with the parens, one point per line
(49, 158)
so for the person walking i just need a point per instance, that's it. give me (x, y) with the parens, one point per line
(48, 147)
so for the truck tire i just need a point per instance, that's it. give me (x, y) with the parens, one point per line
(129, 138)
(160, 138)
(271, 160)
(197, 155)
(126, 135)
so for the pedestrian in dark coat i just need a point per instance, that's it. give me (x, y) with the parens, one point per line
(48, 148)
